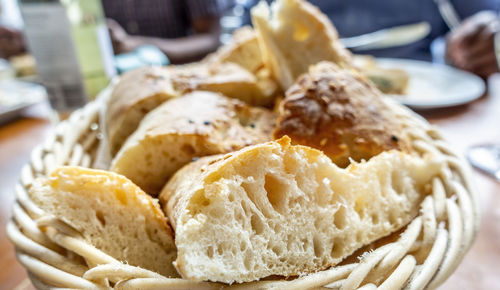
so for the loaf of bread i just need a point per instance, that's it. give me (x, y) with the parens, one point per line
(111, 213)
(140, 91)
(279, 209)
(198, 124)
(229, 78)
(339, 112)
(137, 92)
(294, 34)
(243, 50)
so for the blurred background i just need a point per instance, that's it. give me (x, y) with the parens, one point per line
(439, 57)
(74, 47)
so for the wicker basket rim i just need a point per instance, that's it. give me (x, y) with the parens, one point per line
(426, 253)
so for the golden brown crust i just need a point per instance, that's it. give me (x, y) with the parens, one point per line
(140, 91)
(293, 35)
(337, 111)
(228, 123)
(146, 88)
(197, 124)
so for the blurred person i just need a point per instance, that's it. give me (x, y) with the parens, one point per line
(11, 37)
(11, 42)
(185, 30)
(469, 47)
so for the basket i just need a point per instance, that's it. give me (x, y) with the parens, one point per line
(421, 255)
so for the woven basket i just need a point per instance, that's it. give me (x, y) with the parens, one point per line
(422, 255)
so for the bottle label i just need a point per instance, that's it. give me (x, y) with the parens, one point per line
(48, 34)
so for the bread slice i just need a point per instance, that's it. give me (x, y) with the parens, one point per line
(137, 92)
(243, 50)
(341, 113)
(198, 124)
(140, 91)
(278, 209)
(111, 213)
(229, 79)
(294, 34)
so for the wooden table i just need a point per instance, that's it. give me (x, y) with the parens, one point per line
(463, 126)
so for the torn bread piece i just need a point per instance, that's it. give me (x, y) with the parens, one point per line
(294, 34)
(279, 209)
(111, 213)
(195, 125)
(243, 49)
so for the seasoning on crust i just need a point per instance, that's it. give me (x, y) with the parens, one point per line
(195, 125)
(337, 111)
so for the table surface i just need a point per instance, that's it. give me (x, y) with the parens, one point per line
(463, 126)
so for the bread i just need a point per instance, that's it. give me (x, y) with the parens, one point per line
(230, 79)
(137, 92)
(278, 209)
(198, 124)
(294, 34)
(243, 50)
(111, 213)
(140, 91)
(339, 112)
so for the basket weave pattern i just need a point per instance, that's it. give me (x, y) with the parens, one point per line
(423, 255)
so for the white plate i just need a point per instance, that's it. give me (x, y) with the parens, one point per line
(15, 96)
(435, 85)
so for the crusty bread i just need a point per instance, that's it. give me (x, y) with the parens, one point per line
(198, 124)
(294, 34)
(243, 50)
(111, 213)
(140, 91)
(339, 112)
(278, 209)
(229, 78)
(137, 92)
